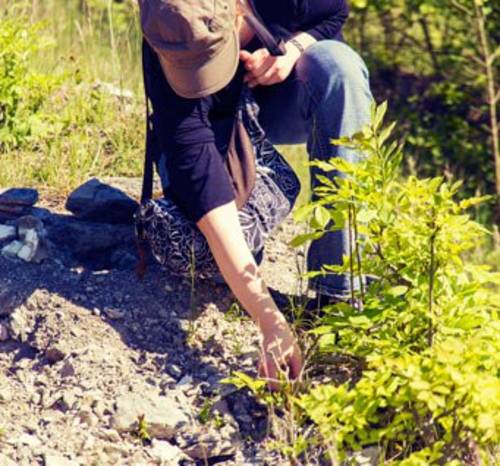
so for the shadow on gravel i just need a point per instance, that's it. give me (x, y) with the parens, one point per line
(154, 317)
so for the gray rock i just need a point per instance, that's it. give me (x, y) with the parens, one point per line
(88, 240)
(18, 324)
(186, 381)
(35, 247)
(15, 202)
(95, 200)
(4, 333)
(27, 439)
(163, 415)
(203, 445)
(55, 354)
(28, 223)
(67, 370)
(32, 245)
(53, 459)
(88, 418)
(25, 197)
(7, 233)
(367, 457)
(174, 370)
(5, 396)
(6, 461)
(110, 435)
(11, 250)
(165, 453)
(114, 314)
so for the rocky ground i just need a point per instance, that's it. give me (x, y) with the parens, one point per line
(84, 353)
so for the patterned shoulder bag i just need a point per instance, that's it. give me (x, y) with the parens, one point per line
(265, 185)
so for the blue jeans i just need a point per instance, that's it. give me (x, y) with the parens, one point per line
(327, 96)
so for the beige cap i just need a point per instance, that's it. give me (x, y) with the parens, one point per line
(196, 41)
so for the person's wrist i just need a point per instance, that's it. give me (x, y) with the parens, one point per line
(273, 326)
(292, 50)
(297, 45)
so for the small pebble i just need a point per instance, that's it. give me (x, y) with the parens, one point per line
(4, 333)
(114, 314)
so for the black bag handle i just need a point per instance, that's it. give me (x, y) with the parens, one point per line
(275, 47)
(149, 159)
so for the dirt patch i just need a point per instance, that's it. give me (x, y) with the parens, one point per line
(77, 340)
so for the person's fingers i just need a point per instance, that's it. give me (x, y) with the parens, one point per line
(271, 76)
(265, 80)
(245, 55)
(267, 370)
(265, 66)
(256, 59)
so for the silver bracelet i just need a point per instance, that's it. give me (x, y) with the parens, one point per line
(297, 44)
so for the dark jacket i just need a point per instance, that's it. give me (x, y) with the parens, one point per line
(182, 128)
(323, 19)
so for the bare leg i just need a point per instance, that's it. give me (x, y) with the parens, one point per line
(223, 232)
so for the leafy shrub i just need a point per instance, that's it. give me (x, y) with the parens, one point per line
(423, 351)
(428, 331)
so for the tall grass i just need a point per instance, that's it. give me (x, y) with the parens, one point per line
(101, 37)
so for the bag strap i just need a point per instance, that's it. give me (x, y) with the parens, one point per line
(149, 159)
(147, 181)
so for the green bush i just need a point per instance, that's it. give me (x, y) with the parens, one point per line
(427, 336)
(423, 350)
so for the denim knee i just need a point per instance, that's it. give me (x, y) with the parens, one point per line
(329, 66)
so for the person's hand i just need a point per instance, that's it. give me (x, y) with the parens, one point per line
(280, 353)
(264, 69)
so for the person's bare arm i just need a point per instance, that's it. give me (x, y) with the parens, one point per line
(223, 232)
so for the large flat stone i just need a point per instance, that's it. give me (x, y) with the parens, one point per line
(163, 416)
(23, 197)
(15, 202)
(82, 237)
(100, 202)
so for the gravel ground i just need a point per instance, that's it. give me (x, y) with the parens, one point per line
(76, 347)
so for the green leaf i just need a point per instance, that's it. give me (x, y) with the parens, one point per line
(321, 217)
(467, 322)
(302, 239)
(303, 212)
(366, 216)
(327, 341)
(379, 115)
(338, 219)
(398, 291)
